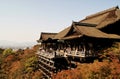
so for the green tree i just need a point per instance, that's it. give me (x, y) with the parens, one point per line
(31, 64)
(7, 52)
(1, 50)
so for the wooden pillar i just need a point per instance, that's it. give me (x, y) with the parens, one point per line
(84, 49)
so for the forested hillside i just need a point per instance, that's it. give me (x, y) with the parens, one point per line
(23, 64)
(20, 64)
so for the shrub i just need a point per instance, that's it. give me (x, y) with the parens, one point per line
(7, 52)
(1, 50)
(31, 64)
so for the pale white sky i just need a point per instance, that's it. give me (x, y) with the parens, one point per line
(24, 20)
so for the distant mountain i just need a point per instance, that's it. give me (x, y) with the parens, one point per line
(12, 44)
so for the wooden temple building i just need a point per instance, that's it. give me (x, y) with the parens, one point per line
(85, 38)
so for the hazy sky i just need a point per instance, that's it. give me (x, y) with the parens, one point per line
(24, 20)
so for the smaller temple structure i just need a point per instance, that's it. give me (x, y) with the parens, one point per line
(46, 40)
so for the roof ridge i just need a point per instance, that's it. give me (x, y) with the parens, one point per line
(102, 12)
(47, 33)
(83, 24)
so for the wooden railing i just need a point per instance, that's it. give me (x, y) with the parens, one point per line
(82, 54)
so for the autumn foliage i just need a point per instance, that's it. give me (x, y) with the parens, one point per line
(23, 64)
(20, 64)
